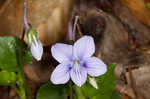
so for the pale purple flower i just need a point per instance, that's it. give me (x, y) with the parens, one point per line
(36, 46)
(37, 50)
(76, 61)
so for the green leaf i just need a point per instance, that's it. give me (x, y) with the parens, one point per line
(106, 84)
(9, 53)
(7, 78)
(50, 91)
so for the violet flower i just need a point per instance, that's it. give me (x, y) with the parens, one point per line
(36, 46)
(76, 61)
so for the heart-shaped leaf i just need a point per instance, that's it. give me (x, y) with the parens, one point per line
(50, 91)
(9, 53)
(106, 85)
(7, 78)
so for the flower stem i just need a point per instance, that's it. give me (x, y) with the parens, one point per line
(23, 89)
(25, 17)
(74, 27)
(71, 89)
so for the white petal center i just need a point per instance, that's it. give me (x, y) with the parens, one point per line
(76, 64)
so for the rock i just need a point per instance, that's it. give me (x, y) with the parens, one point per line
(142, 78)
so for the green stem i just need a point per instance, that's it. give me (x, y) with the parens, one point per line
(71, 89)
(23, 89)
(79, 93)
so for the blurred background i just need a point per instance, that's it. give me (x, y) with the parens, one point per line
(121, 30)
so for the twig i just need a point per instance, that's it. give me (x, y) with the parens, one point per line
(133, 82)
(123, 89)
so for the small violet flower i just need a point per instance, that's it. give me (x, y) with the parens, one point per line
(76, 61)
(36, 46)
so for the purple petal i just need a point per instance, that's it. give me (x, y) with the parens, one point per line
(62, 52)
(61, 74)
(78, 76)
(95, 67)
(36, 50)
(84, 47)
